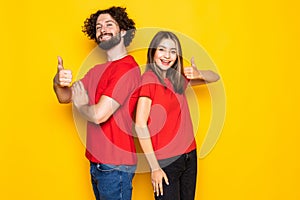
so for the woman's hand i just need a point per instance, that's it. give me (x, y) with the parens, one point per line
(192, 72)
(157, 177)
(198, 77)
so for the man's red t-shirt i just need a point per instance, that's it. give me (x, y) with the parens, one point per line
(111, 142)
(170, 123)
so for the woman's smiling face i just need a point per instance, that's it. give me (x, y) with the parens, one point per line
(165, 54)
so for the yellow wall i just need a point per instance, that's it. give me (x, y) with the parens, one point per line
(255, 46)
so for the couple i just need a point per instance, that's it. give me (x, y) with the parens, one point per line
(114, 94)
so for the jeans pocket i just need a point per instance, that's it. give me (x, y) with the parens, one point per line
(107, 167)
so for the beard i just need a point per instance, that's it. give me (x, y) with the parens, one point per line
(108, 44)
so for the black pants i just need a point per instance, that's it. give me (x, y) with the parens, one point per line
(182, 173)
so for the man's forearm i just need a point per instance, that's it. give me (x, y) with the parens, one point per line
(88, 112)
(63, 94)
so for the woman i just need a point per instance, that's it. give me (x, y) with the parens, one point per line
(163, 121)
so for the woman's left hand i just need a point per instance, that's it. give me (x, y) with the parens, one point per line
(192, 72)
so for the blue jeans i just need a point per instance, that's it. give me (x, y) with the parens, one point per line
(182, 174)
(112, 182)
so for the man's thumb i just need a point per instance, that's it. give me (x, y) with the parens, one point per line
(60, 63)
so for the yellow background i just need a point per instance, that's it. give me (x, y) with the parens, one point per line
(254, 44)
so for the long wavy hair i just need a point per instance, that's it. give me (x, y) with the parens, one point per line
(117, 13)
(175, 73)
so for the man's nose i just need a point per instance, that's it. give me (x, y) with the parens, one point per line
(103, 29)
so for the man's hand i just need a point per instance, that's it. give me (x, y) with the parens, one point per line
(79, 95)
(63, 76)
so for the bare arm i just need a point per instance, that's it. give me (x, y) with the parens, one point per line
(97, 113)
(198, 77)
(142, 115)
(76, 93)
(61, 83)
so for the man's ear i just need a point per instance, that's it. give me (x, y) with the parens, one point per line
(123, 33)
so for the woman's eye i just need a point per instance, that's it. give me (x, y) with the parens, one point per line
(173, 52)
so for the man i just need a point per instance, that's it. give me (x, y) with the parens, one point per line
(104, 97)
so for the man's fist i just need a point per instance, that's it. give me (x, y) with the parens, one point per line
(63, 76)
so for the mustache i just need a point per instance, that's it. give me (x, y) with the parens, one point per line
(100, 36)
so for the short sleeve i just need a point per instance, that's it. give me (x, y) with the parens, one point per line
(86, 78)
(148, 86)
(124, 78)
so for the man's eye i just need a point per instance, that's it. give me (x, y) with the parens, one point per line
(98, 27)
(110, 24)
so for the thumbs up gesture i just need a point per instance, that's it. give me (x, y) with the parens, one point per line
(192, 72)
(63, 76)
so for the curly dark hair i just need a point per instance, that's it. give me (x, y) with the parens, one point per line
(119, 14)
